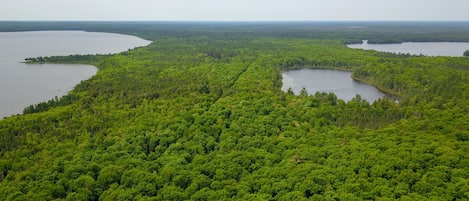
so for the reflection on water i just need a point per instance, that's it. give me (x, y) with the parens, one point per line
(325, 80)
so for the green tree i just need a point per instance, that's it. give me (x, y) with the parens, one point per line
(466, 53)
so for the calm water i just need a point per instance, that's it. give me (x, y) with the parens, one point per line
(455, 49)
(24, 84)
(324, 80)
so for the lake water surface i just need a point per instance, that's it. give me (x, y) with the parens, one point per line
(24, 84)
(454, 49)
(325, 80)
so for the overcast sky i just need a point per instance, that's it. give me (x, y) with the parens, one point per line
(234, 10)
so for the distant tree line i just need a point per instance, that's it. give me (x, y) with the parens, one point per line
(199, 114)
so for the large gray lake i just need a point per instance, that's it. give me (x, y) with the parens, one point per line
(325, 80)
(454, 49)
(22, 84)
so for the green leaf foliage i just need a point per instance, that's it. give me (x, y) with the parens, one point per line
(199, 115)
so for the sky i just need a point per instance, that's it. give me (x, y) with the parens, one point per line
(236, 10)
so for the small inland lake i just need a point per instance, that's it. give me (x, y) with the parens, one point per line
(326, 80)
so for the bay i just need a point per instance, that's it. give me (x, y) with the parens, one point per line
(452, 49)
(23, 84)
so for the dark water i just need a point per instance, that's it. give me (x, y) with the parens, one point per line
(454, 49)
(324, 80)
(24, 84)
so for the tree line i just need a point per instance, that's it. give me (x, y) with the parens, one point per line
(201, 116)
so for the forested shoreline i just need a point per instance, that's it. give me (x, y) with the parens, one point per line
(199, 115)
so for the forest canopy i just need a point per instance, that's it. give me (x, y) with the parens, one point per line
(199, 115)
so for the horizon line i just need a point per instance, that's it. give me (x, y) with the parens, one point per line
(292, 20)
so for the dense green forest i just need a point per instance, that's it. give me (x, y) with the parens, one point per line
(199, 115)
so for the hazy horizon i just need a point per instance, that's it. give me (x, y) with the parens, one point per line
(231, 10)
(137, 20)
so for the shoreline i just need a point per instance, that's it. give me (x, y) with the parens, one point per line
(58, 76)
